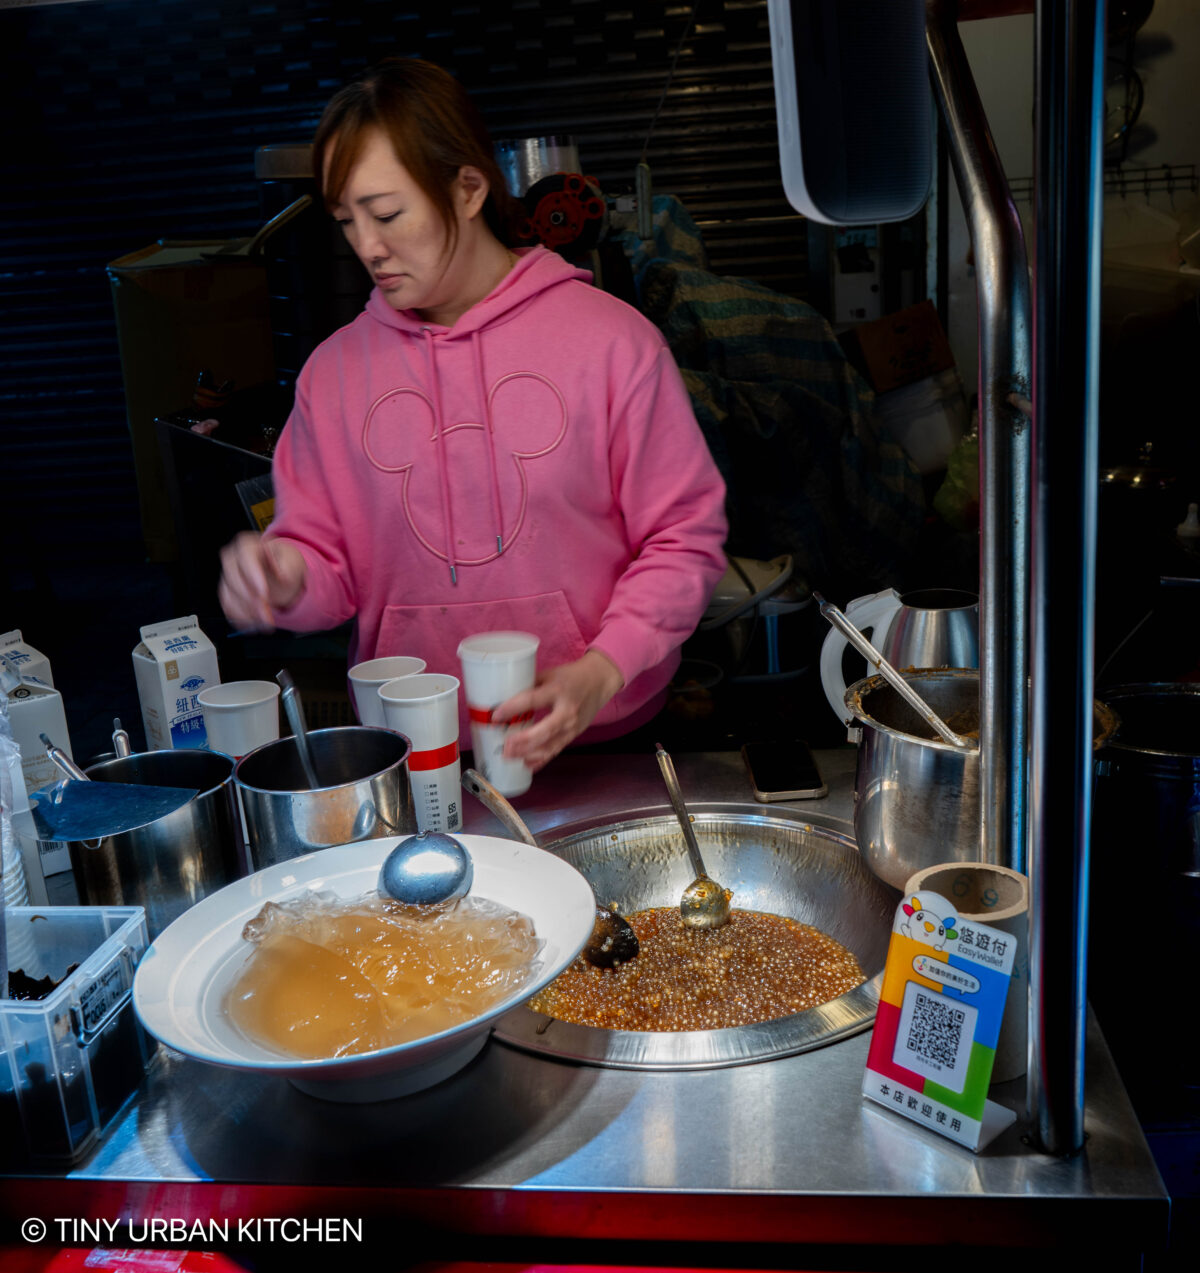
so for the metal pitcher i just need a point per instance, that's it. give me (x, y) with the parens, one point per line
(365, 793)
(169, 864)
(932, 627)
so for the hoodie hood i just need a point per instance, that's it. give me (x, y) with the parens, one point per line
(537, 269)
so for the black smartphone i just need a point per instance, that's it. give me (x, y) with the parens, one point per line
(783, 771)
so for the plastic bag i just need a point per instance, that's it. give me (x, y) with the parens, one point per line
(957, 499)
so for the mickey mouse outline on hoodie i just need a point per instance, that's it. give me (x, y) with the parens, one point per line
(406, 439)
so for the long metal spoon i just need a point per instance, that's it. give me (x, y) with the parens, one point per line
(705, 904)
(613, 941)
(294, 711)
(890, 674)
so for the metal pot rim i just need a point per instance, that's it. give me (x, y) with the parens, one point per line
(203, 751)
(318, 733)
(854, 695)
(1147, 689)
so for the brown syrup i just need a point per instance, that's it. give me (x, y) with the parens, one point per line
(758, 967)
(331, 977)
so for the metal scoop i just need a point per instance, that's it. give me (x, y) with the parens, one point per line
(612, 941)
(705, 904)
(893, 677)
(295, 714)
(86, 811)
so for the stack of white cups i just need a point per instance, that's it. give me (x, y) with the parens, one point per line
(366, 680)
(424, 708)
(495, 666)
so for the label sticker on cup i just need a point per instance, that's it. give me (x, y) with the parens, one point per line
(435, 777)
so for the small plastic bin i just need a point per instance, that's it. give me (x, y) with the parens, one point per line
(70, 1060)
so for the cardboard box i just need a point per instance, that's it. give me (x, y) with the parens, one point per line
(899, 349)
(182, 309)
(24, 659)
(172, 663)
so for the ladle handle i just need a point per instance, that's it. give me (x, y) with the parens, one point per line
(121, 744)
(890, 674)
(497, 806)
(689, 835)
(295, 714)
(63, 761)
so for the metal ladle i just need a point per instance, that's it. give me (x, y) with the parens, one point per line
(613, 941)
(705, 904)
(295, 714)
(426, 869)
(890, 674)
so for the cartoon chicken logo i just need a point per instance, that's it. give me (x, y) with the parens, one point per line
(924, 926)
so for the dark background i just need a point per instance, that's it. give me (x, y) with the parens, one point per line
(132, 121)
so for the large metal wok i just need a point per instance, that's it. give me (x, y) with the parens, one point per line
(774, 862)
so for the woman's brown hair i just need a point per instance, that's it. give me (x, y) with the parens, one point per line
(434, 129)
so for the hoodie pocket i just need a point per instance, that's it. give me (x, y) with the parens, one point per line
(433, 632)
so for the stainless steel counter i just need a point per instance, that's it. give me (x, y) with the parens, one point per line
(523, 1157)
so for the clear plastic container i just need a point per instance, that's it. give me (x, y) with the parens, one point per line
(71, 1059)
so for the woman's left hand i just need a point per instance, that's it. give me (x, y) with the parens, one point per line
(573, 693)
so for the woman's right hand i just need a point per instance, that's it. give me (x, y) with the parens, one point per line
(258, 577)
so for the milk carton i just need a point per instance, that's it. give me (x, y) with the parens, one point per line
(172, 663)
(28, 662)
(35, 709)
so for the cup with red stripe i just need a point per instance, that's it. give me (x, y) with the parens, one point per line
(495, 666)
(424, 708)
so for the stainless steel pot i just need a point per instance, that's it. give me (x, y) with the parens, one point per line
(169, 864)
(365, 796)
(1146, 854)
(916, 798)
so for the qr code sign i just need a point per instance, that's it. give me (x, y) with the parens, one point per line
(935, 1036)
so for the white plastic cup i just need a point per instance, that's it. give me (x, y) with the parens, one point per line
(424, 708)
(366, 678)
(240, 715)
(495, 666)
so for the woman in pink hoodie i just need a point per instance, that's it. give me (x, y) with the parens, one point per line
(493, 443)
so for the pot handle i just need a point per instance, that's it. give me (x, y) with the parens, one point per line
(871, 614)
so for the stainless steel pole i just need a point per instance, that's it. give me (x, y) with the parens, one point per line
(1069, 187)
(1002, 278)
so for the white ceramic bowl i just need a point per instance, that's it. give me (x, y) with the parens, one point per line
(183, 978)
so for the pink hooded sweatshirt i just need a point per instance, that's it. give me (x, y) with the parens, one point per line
(536, 467)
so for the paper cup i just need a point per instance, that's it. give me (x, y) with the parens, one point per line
(240, 716)
(366, 678)
(424, 708)
(999, 897)
(495, 666)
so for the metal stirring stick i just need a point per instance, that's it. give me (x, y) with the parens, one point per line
(890, 674)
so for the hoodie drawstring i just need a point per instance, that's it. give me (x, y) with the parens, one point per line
(439, 448)
(442, 464)
(497, 511)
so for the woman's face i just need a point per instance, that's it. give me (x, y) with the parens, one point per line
(396, 232)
